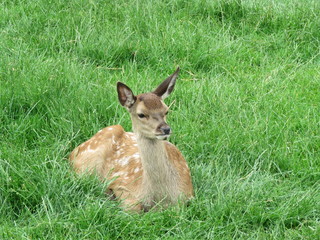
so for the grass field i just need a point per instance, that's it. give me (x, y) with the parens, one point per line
(245, 114)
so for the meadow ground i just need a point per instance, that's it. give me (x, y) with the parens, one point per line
(245, 114)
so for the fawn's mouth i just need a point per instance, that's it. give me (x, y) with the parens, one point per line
(162, 136)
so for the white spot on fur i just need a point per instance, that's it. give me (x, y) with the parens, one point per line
(136, 170)
(124, 161)
(132, 136)
(118, 153)
(117, 174)
(88, 150)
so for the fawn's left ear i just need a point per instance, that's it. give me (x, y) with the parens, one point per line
(125, 95)
(167, 86)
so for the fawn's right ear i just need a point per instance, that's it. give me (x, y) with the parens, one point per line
(125, 95)
(166, 87)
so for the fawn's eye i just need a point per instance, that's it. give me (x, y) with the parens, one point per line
(141, 115)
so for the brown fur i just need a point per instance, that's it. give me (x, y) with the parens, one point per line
(143, 171)
(150, 100)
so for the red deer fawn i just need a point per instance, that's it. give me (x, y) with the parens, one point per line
(144, 170)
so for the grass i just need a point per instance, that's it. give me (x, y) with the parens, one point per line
(245, 114)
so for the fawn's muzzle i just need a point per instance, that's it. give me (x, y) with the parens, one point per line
(165, 130)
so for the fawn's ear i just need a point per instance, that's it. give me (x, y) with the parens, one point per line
(125, 95)
(167, 86)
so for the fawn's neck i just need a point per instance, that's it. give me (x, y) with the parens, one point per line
(159, 180)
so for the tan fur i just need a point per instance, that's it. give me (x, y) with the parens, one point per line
(143, 171)
(151, 101)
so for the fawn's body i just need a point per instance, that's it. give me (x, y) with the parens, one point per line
(143, 168)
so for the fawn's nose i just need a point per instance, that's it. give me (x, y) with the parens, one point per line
(166, 130)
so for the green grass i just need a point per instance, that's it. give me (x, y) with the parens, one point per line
(245, 114)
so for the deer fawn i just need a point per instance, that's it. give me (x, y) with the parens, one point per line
(144, 170)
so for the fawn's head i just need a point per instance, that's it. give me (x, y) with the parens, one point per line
(148, 111)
